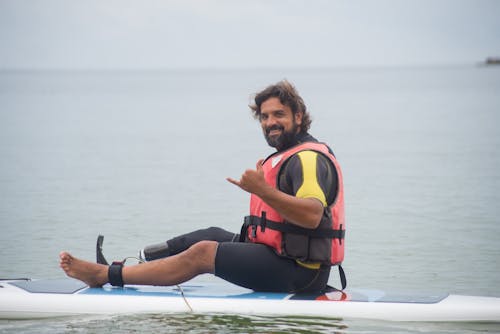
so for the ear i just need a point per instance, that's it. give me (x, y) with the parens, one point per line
(298, 117)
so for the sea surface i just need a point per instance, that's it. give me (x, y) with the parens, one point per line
(142, 156)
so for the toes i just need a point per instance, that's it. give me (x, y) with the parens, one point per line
(65, 257)
(64, 254)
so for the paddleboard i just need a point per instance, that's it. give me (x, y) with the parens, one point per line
(44, 298)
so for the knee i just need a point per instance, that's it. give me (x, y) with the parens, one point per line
(203, 252)
(203, 247)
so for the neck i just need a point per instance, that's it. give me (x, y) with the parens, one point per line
(299, 138)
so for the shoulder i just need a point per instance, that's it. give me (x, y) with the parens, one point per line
(310, 169)
(311, 159)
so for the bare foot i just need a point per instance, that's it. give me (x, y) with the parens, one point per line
(92, 274)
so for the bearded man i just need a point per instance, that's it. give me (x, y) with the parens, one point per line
(293, 235)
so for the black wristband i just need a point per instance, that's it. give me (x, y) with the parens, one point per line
(115, 274)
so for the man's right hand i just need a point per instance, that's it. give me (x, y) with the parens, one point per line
(252, 180)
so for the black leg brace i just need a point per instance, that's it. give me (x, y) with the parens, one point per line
(115, 274)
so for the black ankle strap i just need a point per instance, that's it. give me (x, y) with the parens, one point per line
(115, 274)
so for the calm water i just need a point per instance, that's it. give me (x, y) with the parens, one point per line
(142, 156)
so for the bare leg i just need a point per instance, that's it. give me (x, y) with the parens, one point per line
(198, 259)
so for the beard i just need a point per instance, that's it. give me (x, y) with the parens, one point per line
(285, 140)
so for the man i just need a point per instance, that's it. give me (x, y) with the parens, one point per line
(293, 235)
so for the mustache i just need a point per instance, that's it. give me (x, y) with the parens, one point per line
(274, 127)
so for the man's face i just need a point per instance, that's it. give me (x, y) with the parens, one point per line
(278, 123)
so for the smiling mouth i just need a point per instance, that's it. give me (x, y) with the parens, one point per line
(274, 131)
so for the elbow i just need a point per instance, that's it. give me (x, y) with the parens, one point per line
(316, 215)
(308, 215)
(313, 218)
(315, 221)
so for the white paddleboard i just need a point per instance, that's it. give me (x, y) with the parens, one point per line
(29, 299)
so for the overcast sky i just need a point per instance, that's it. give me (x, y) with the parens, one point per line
(245, 34)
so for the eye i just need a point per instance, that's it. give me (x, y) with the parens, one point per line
(263, 117)
(279, 114)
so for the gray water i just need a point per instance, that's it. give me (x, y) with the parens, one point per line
(142, 156)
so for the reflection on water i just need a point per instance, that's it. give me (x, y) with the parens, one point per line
(217, 323)
(177, 323)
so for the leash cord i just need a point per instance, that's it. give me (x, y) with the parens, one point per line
(178, 286)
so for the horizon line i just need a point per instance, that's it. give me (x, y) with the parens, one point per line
(237, 68)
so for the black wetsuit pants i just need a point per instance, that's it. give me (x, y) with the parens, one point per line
(254, 266)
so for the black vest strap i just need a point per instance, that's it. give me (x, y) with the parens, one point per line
(264, 223)
(343, 281)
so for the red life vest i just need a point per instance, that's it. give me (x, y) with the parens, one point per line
(325, 244)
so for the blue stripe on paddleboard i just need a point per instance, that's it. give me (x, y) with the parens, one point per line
(222, 291)
(189, 291)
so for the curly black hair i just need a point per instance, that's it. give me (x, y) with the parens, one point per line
(288, 96)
